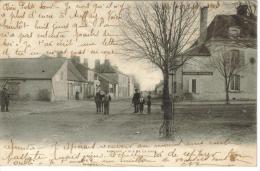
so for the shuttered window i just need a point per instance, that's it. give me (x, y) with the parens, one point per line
(235, 83)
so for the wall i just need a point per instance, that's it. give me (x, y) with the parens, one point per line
(90, 75)
(212, 87)
(73, 87)
(29, 89)
(122, 85)
(130, 86)
(60, 84)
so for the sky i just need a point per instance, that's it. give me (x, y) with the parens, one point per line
(146, 73)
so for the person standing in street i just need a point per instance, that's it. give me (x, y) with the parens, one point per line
(142, 102)
(107, 100)
(136, 101)
(77, 95)
(149, 103)
(98, 101)
(102, 98)
(7, 99)
(2, 100)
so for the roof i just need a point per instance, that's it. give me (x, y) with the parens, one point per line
(107, 78)
(218, 29)
(74, 74)
(30, 68)
(198, 50)
(110, 69)
(110, 77)
(159, 84)
(219, 26)
(82, 69)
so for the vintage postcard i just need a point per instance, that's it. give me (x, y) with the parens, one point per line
(128, 83)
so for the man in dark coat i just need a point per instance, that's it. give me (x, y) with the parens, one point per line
(136, 100)
(102, 97)
(98, 101)
(4, 100)
(107, 100)
(7, 99)
(149, 103)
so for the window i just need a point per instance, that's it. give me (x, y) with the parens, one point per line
(233, 31)
(252, 60)
(235, 83)
(193, 85)
(236, 58)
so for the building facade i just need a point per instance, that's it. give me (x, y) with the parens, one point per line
(231, 34)
(120, 83)
(43, 78)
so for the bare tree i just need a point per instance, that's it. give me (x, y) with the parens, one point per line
(228, 63)
(159, 32)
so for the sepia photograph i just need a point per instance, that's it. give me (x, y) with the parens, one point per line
(128, 83)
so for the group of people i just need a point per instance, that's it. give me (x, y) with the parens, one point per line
(4, 100)
(102, 100)
(139, 101)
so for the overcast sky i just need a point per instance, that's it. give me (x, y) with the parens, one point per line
(149, 75)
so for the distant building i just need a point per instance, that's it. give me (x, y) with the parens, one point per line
(159, 88)
(237, 33)
(131, 88)
(88, 74)
(108, 85)
(44, 78)
(121, 82)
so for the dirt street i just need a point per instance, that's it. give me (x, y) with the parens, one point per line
(77, 121)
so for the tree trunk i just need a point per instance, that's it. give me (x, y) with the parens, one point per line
(166, 128)
(227, 92)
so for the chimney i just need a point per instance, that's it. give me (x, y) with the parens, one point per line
(85, 62)
(242, 10)
(75, 59)
(203, 24)
(97, 66)
(107, 65)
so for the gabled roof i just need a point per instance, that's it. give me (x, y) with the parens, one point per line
(220, 25)
(219, 29)
(110, 77)
(82, 69)
(110, 69)
(197, 50)
(74, 74)
(159, 84)
(30, 68)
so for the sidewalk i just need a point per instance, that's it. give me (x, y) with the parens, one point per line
(219, 102)
(216, 102)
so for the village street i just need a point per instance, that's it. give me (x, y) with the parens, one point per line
(77, 121)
